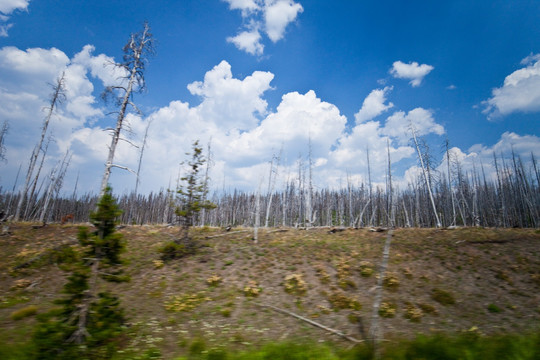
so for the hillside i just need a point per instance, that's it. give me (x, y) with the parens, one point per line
(449, 281)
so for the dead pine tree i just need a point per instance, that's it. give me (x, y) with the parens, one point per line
(136, 53)
(57, 97)
(425, 173)
(3, 132)
(138, 179)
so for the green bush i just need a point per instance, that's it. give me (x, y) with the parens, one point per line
(24, 312)
(174, 250)
(492, 308)
(443, 297)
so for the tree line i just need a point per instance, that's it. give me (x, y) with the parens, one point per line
(460, 198)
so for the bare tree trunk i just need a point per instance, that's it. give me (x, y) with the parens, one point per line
(36, 178)
(57, 97)
(135, 50)
(3, 133)
(271, 184)
(138, 180)
(206, 180)
(428, 184)
(56, 182)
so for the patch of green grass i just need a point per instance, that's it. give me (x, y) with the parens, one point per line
(443, 297)
(6, 302)
(492, 308)
(24, 312)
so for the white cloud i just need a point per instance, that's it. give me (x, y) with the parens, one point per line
(248, 41)
(398, 125)
(519, 93)
(6, 8)
(245, 5)
(412, 71)
(373, 105)
(232, 103)
(4, 29)
(298, 119)
(272, 16)
(38, 62)
(100, 66)
(277, 15)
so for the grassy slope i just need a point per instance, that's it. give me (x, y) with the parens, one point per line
(493, 275)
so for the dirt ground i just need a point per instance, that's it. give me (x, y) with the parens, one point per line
(468, 279)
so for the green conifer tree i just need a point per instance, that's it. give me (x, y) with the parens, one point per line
(191, 200)
(87, 325)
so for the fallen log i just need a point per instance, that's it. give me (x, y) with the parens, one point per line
(314, 323)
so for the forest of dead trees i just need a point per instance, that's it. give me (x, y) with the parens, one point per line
(460, 199)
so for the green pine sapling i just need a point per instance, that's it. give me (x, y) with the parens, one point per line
(191, 197)
(87, 325)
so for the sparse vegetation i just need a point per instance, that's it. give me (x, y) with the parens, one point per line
(231, 323)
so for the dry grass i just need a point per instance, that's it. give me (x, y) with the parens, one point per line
(315, 274)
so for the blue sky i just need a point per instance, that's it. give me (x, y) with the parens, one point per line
(256, 76)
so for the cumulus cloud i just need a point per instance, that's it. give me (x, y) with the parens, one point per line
(277, 15)
(373, 105)
(270, 16)
(7, 7)
(230, 102)
(520, 91)
(248, 41)
(244, 5)
(412, 71)
(398, 125)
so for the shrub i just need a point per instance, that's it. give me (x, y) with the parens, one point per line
(186, 302)
(24, 312)
(214, 280)
(391, 281)
(295, 284)
(252, 289)
(366, 268)
(443, 297)
(387, 310)
(177, 250)
(492, 308)
(413, 313)
(340, 300)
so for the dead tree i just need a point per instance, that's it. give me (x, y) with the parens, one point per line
(424, 172)
(57, 96)
(56, 179)
(272, 183)
(138, 180)
(136, 52)
(3, 133)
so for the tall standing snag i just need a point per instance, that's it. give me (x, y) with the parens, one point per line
(136, 52)
(3, 132)
(58, 96)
